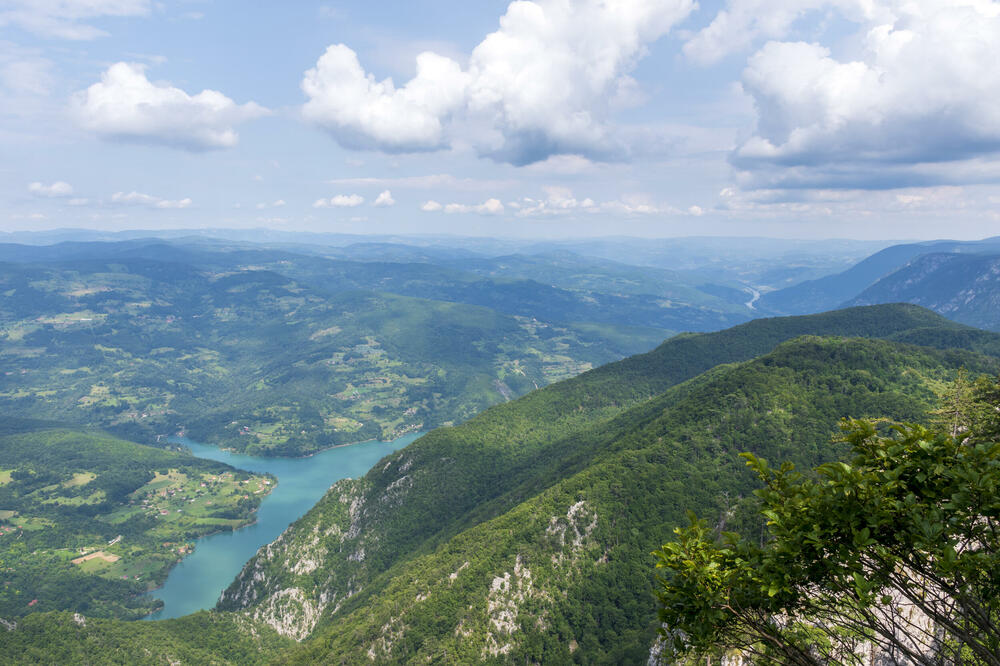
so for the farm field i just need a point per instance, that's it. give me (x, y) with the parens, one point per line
(255, 361)
(90, 522)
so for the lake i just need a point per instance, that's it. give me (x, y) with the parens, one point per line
(198, 580)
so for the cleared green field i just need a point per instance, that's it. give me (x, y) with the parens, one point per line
(252, 360)
(93, 522)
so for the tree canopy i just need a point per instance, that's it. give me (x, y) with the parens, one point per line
(895, 552)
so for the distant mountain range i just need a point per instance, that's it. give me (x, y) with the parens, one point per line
(770, 262)
(955, 278)
(963, 287)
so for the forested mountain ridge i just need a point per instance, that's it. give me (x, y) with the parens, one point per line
(835, 290)
(526, 533)
(564, 574)
(202, 638)
(962, 287)
(456, 478)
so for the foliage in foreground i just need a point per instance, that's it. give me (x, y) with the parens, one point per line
(896, 551)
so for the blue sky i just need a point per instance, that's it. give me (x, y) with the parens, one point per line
(551, 118)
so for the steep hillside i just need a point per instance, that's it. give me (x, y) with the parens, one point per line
(202, 638)
(833, 290)
(962, 287)
(456, 478)
(565, 574)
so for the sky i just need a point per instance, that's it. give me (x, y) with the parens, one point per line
(869, 119)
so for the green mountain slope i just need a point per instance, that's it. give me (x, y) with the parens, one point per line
(456, 478)
(565, 575)
(253, 360)
(962, 287)
(202, 638)
(90, 522)
(525, 533)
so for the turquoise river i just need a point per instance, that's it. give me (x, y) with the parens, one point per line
(196, 582)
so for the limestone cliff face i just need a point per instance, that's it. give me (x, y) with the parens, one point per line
(290, 582)
(323, 559)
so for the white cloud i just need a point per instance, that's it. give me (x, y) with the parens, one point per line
(384, 199)
(65, 19)
(79, 201)
(127, 106)
(426, 182)
(340, 201)
(274, 204)
(56, 189)
(545, 83)
(560, 201)
(745, 22)
(364, 113)
(142, 199)
(488, 207)
(922, 89)
(563, 164)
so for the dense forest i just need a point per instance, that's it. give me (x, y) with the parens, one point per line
(450, 486)
(527, 532)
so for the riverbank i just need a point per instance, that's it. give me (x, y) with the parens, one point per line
(195, 583)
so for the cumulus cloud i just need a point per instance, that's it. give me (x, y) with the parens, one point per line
(545, 83)
(141, 199)
(56, 189)
(364, 113)
(340, 201)
(66, 19)
(561, 201)
(488, 207)
(744, 23)
(922, 89)
(384, 199)
(126, 105)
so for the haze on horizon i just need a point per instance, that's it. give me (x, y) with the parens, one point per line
(541, 118)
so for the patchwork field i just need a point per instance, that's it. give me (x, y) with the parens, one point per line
(90, 522)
